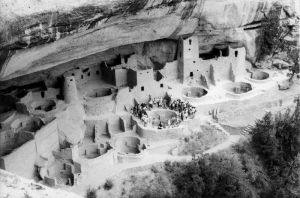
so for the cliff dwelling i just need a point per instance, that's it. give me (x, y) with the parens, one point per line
(88, 93)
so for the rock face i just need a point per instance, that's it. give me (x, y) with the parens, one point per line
(48, 35)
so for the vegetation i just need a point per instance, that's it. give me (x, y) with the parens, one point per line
(201, 139)
(272, 39)
(266, 166)
(277, 143)
(211, 176)
(91, 193)
(108, 185)
(272, 34)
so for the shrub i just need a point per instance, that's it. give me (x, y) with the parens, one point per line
(91, 193)
(154, 169)
(276, 140)
(108, 184)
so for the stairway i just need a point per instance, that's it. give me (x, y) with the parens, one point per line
(246, 130)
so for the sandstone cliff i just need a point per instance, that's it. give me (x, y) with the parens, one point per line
(40, 35)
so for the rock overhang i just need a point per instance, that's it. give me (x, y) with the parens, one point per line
(100, 30)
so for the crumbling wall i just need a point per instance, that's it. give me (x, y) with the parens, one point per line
(84, 74)
(114, 125)
(124, 99)
(170, 70)
(101, 128)
(98, 106)
(129, 145)
(7, 141)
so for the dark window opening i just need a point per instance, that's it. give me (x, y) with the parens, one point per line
(114, 61)
(236, 53)
(214, 53)
(190, 41)
(194, 61)
(85, 70)
(161, 85)
(73, 74)
(97, 72)
(72, 79)
(225, 51)
(191, 74)
(89, 74)
(142, 88)
(189, 49)
(43, 94)
(81, 76)
(126, 57)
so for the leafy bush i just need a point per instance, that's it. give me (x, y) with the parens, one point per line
(108, 184)
(276, 140)
(91, 193)
(266, 166)
(211, 176)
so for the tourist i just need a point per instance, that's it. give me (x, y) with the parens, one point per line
(160, 126)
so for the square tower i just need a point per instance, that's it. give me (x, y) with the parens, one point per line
(188, 57)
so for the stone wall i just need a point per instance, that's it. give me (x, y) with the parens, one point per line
(191, 67)
(46, 140)
(100, 105)
(22, 160)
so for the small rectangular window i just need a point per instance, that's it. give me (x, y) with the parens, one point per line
(42, 94)
(236, 53)
(191, 74)
(142, 88)
(161, 85)
(190, 41)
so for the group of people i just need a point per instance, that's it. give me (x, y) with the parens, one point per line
(184, 108)
(140, 110)
(158, 102)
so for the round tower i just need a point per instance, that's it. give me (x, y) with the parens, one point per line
(70, 90)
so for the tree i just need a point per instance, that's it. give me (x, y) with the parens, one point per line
(277, 143)
(294, 53)
(210, 176)
(273, 34)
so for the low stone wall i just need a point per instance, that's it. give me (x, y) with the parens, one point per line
(238, 96)
(127, 158)
(194, 92)
(154, 134)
